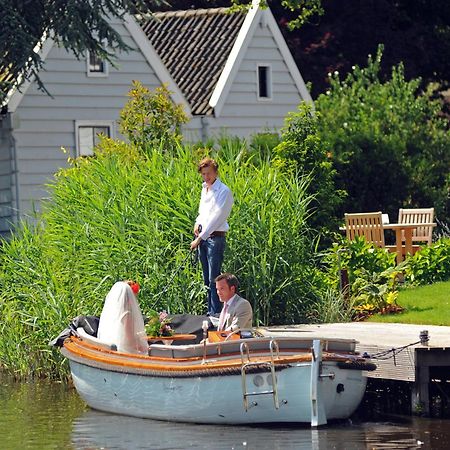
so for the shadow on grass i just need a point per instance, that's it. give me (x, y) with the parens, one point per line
(416, 309)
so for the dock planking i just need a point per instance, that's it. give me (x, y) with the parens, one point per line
(412, 363)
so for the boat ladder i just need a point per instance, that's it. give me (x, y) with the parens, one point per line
(248, 365)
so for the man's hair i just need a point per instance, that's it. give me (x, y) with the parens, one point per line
(229, 278)
(208, 162)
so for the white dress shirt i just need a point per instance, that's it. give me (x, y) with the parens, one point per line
(215, 207)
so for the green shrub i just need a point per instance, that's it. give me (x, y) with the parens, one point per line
(430, 264)
(302, 151)
(357, 257)
(388, 141)
(151, 119)
(372, 275)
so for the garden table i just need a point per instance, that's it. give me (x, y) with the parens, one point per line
(407, 229)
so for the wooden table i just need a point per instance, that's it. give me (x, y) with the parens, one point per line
(408, 229)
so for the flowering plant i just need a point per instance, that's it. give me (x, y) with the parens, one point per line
(158, 324)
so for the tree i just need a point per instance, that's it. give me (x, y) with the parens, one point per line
(151, 120)
(302, 151)
(388, 141)
(77, 25)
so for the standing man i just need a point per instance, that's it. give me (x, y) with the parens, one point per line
(210, 228)
(237, 313)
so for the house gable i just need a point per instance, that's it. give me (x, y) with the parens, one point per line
(255, 17)
(15, 96)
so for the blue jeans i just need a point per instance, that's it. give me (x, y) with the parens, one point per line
(211, 256)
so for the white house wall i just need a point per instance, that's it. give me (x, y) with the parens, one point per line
(242, 112)
(46, 124)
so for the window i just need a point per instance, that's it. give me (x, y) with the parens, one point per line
(88, 135)
(264, 83)
(96, 67)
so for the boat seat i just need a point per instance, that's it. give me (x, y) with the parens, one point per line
(227, 347)
(94, 340)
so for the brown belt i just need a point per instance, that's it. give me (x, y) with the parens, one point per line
(218, 234)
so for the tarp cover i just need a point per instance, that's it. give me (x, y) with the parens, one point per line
(121, 321)
(189, 324)
(88, 323)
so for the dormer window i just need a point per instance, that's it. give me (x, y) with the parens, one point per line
(264, 80)
(96, 66)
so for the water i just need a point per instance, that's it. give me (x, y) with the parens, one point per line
(45, 415)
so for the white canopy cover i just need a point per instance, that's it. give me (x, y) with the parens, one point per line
(121, 321)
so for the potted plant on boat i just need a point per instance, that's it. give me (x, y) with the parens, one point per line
(158, 327)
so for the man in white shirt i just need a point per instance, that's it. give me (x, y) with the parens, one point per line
(237, 313)
(211, 227)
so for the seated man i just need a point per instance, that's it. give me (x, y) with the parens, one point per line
(121, 322)
(237, 313)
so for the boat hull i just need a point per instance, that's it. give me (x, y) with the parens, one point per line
(219, 398)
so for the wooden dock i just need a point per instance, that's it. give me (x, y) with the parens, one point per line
(418, 364)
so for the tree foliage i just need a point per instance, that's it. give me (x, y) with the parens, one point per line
(77, 25)
(388, 141)
(151, 119)
(303, 151)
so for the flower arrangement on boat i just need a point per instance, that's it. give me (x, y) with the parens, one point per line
(158, 324)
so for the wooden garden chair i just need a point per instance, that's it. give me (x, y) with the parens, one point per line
(418, 215)
(369, 225)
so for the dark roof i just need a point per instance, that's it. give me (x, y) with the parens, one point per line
(194, 46)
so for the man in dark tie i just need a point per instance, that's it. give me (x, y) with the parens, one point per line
(237, 313)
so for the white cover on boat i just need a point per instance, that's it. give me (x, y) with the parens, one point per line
(121, 320)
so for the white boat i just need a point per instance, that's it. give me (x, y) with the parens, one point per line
(242, 381)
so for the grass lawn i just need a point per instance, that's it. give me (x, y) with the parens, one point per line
(428, 305)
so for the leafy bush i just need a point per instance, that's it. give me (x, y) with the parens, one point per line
(302, 151)
(151, 119)
(388, 141)
(372, 276)
(358, 257)
(430, 264)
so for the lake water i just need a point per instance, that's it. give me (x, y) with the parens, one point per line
(46, 415)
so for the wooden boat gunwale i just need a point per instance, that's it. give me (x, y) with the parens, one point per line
(90, 354)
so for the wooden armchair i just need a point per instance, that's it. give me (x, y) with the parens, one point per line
(369, 225)
(418, 215)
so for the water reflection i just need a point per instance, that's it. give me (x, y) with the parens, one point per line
(100, 430)
(44, 415)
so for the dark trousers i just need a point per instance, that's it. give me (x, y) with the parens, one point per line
(211, 256)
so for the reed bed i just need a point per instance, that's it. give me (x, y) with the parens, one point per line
(126, 215)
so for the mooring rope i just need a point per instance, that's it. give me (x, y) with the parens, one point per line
(391, 353)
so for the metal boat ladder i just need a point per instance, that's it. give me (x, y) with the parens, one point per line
(247, 364)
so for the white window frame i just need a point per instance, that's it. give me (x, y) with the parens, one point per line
(90, 73)
(269, 83)
(91, 123)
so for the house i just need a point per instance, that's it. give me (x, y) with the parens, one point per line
(232, 72)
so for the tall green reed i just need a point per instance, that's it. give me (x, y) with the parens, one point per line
(124, 215)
